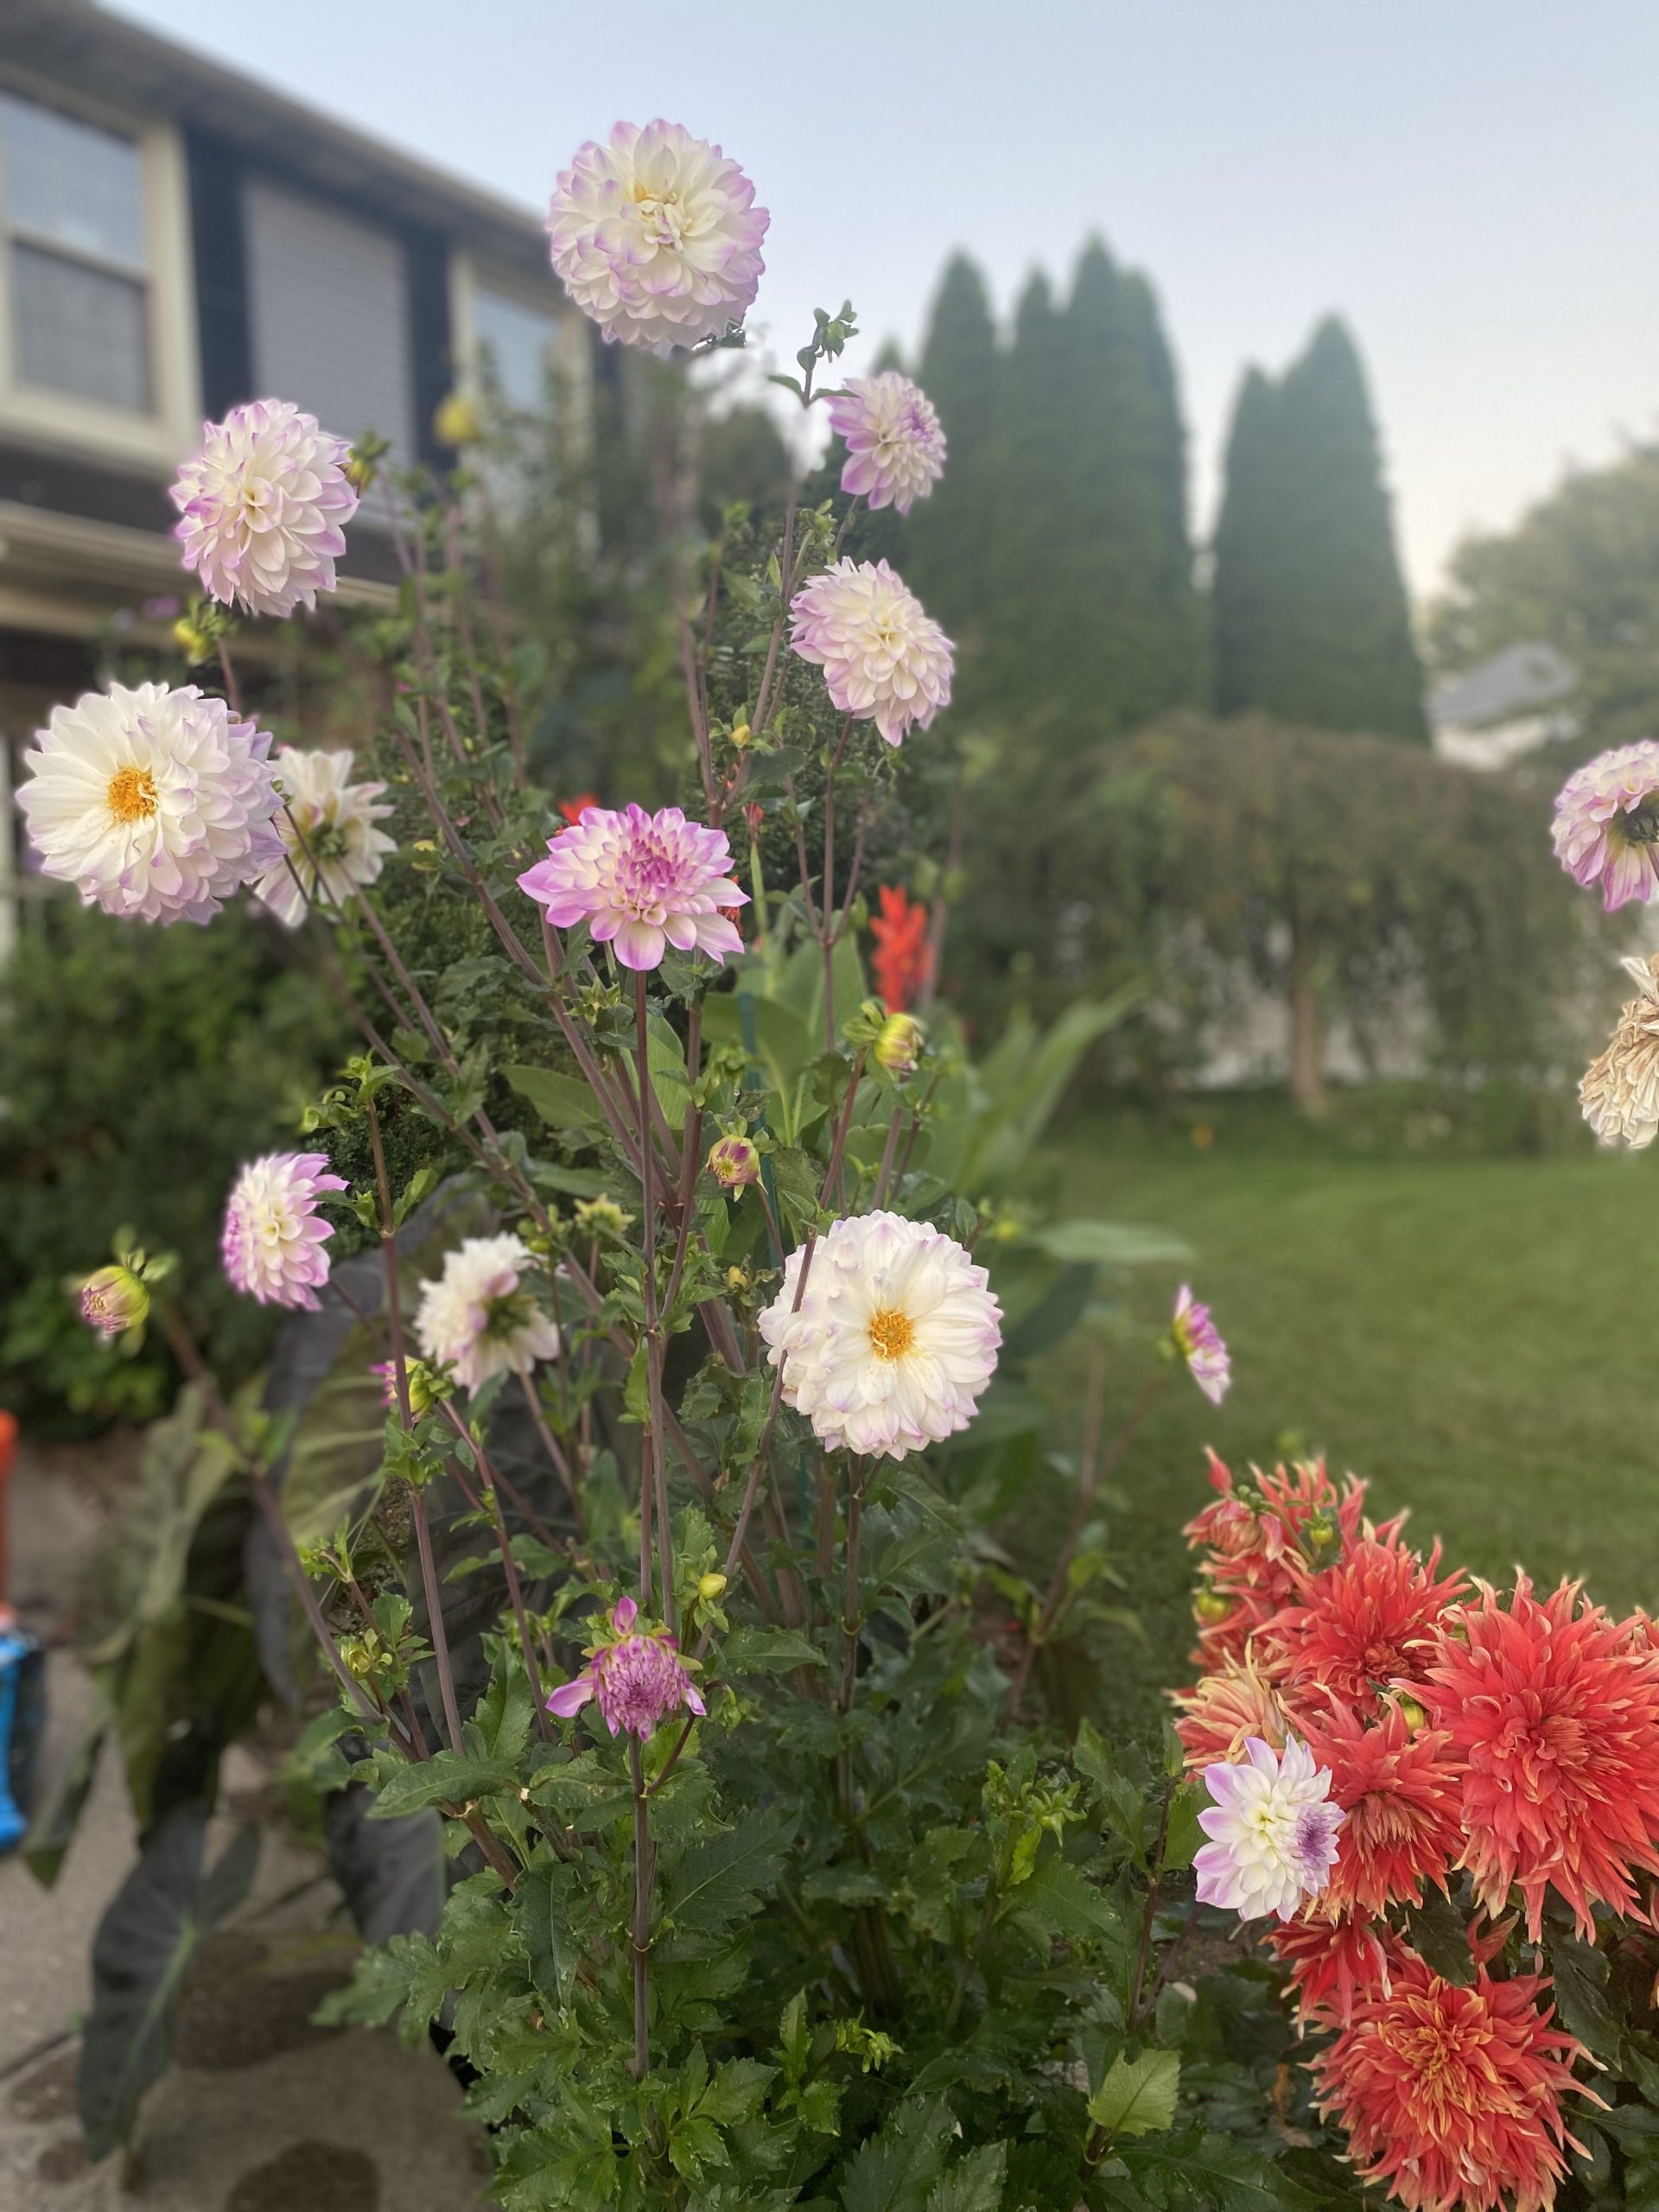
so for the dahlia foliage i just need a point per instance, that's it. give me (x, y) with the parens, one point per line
(680, 1269)
(1458, 1967)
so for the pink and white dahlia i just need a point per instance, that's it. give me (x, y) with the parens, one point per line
(1273, 1832)
(895, 448)
(641, 882)
(1606, 827)
(889, 1343)
(478, 1319)
(655, 236)
(328, 833)
(635, 1677)
(1199, 1341)
(155, 803)
(273, 1236)
(884, 659)
(262, 507)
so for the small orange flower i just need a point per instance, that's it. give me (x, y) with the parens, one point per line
(574, 809)
(903, 962)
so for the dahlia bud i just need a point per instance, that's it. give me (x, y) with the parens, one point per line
(709, 1587)
(899, 1044)
(734, 1162)
(1211, 1608)
(601, 1218)
(112, 1301)
(741, 736)
(426, 1387)
(359, 472)
(454, 420)
(194, 643)
(1410, 1712)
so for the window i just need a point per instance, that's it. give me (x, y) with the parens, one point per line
(73, 204)
(515, 343)
(328, 303)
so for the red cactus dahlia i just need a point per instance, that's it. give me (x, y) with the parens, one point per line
(1553, 1714)
(1401, 1794)
(1364, 1622)
(1451, 2097)
(1333, 1959)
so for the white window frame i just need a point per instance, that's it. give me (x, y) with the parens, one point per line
(170, 429)
(469, 275)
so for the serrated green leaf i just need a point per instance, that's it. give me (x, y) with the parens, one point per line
(895, 2170)
(446, 1775)
(1138, 2095)
(767, 1651)
(975, 2185)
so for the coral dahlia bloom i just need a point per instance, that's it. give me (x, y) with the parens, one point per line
(155, 803)
(1333, 1960)
(1552, 1711)
(273, 1236)
(478, 1319)
(891, 1340)
(1199, 1341)
(1402, 1794)
(1364, 1622)
(1606, 827)
(1273, 1832)
(884, 659)
(1620, 1090)
(895, 448)
(1224, 1710)
(635, 1677)
(1450, 2098)
(902, 963)
(641, 882)
(262, 508)
(328, 833)
(655, 236)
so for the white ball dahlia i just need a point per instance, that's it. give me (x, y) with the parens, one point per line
(883, 656)
(895, 446)
(153, 803)
(262, 507)
(477, 1318)
(327, 831)
(273, 1236)
(655, 236)
(895, 1336)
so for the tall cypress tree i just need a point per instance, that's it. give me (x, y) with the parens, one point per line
(1024, 609)
(1311, 622)
(948, 536)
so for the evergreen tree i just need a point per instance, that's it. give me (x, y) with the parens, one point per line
(949, 535)
(1311, 622)
(1025, 605)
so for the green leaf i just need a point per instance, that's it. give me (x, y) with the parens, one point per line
(562, 1101)
(446, 1775)
(895, 2170)
(1579, 1972)
(1061, 1900)
(1109, 1243)
(975, 2185)
(767, 1651)
(141, 1954)
(720, 1879)
(1437, 1930)
(1138, 2095)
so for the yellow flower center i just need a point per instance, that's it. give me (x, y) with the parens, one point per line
(131, 794)
(891, 1333)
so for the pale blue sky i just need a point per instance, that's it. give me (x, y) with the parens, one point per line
(1475, 184)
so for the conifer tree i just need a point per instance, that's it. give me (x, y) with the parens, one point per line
(948, 536)
(1311, 622)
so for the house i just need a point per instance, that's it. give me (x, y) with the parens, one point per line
(1505, 707)
(177, 239)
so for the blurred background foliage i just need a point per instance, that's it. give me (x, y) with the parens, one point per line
(1196, 772)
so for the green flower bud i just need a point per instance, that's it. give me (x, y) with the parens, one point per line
(898, 1044)
(734, 1162)
(112, 1301)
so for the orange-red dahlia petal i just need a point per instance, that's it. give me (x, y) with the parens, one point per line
(1553, 1710)
(1333, 1959)
(1402, 1794)
(1451, 2097)
(1369, 1620)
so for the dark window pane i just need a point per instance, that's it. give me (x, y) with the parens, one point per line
(71, 184)
(516, 340)
(80, 331)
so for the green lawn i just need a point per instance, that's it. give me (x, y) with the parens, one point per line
(1474, 1335)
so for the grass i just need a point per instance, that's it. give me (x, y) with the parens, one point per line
(1475, 1335)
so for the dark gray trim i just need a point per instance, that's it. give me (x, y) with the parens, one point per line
(220, 249)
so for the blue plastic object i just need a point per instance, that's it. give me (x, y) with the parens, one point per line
(22, 1681)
